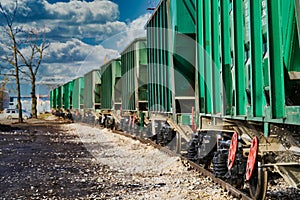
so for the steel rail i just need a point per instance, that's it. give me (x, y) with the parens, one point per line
(232, 190)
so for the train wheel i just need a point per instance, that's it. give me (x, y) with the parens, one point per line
(258, 182)
(232, 150)
(255, 174)
(252, 158)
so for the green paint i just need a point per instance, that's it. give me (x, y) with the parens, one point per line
(207, 56)
(239, 28)
(256, 44)
(276, 74)
(226, 57)
(216, 64)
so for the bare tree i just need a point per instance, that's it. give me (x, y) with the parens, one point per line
(32, 61)
(12, 31)
(28, 53)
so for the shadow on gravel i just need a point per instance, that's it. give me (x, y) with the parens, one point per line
(7, 128)
(44, 160)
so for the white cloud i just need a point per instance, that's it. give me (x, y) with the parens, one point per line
(65, 20)
(80, 19)
(135, 29)
(81, 33)
(74, 58)
(83, 12)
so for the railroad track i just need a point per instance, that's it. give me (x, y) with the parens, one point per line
(232, 190)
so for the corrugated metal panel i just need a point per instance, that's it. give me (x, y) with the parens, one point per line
(183, 26)
(143, 78)
(297, 12)
(257, 57)
(183, 16)
(77, 95)
(111, 85)
(51, 99)
(54, 97)
(134, 75)
(171, 56)
(159, 89)
(81, 102)
(67, 95)
(92, 85)
(59, 97)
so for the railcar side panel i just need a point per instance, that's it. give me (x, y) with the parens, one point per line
(59, 97)
(254, 46)
(134, 76)
(51, 99)
(171, 57)
(78, 93)
(67, 95)
(92, 85)
(111, 85)
(159, 55)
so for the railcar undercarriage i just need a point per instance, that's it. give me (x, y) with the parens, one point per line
(241, 154)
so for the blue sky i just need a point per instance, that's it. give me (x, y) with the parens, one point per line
(82, 32)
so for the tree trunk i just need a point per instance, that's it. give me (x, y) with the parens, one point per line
(17, 78)
(19, 95)
(33, 99)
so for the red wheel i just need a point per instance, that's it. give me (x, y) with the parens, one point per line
(251, 162)
(232, 151)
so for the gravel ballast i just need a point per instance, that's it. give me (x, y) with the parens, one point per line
(139, 171)
(52, 160)
(74, 161)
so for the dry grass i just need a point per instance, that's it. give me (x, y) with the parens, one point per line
(44, 116)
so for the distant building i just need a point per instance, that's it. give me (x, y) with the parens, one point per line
(42, 93)
(43, 103)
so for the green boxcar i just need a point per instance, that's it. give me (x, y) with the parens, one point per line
(67, 95)
(51, 99)
(134, 76)
(171, 45)
(54, 91)
(78, 94)
(92, 88)
(59, 95)
(111, 97)
(255, 49)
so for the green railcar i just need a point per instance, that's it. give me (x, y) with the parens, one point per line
(134, 76)
(58, 97)
(52, 104)
(92, 90)
(111, 97)
(134, 85)
(78, 93)
(171, 58)
(67, 95)
(257, 58)
(247, 82)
